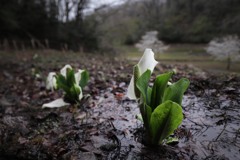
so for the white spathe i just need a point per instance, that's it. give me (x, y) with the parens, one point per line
(63, 71)
(56, 104)
(78, 75)
(51, 82)
(130, 90)
(80, 96)
(77, 87)
(146, 62)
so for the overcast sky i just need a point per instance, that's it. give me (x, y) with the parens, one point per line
(102, 2)
(97, 3)
(93, 4)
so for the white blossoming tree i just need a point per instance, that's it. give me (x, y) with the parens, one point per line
(226, 48)
(150, 40)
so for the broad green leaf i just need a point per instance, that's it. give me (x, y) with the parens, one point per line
(146, 113)
(149, 93)
(70, 77)
(84, 79)
(175, 91)
(62, 83)
(164, 120)
(142, 84)
(75, 90)
(136, 75)
(159, 88)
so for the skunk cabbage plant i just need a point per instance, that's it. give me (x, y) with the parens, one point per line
(71, 83)
(160, 105)
(146, 62)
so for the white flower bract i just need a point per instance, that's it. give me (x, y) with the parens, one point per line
(146, 62)
(51, 82)
(63, 71)
(80, 96)
(55, 104)
(78, 75)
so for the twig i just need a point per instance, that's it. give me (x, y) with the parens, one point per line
(221, 132)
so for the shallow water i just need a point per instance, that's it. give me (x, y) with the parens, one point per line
(214, 130)
(211, 131)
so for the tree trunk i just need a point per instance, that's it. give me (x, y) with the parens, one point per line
(80, 6)
(67, 10)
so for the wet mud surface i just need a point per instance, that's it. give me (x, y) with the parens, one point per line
(105, 126)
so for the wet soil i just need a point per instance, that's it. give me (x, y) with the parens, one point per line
(104, 126)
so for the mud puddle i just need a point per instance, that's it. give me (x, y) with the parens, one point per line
(210, 128)
(214, 125)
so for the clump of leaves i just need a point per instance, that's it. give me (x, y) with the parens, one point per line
(71, 83)
(160, 105)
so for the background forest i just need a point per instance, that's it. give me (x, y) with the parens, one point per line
(70, 24)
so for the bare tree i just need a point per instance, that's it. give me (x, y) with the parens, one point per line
(68, 8)
(81, 4)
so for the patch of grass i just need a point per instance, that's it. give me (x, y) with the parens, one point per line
(176, 54)
(191, 54)
(187, 48)
(182, 56)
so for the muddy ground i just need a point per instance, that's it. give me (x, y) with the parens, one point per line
(104, 126)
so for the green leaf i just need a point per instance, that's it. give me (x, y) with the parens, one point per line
(84, 79)
(146, 113)
(159, 88)
(164, 120)
(142, 85)
(149, 93)
(70, 77)
(172, 140)
(72, 95)
(62, 83)
(175, 91)
(136, 75)
(77, 89)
